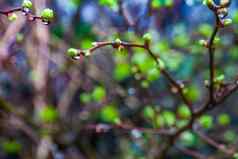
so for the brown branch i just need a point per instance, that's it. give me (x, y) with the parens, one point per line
(191, 153)
(145, 46)
(210, 141)
(211, 51)
(101, 128)
(29, 15)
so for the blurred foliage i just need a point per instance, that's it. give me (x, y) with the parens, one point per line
(115, 86)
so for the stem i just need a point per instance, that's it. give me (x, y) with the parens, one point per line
(211, 51)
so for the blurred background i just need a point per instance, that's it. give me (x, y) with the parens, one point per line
(54, 107)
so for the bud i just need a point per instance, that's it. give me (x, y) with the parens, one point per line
(12, 17)
(72, 52)
(219, 79)
(203, 43)
(222, 12)
(117, 43)
(225, 3)
(206, 83)
(147, 37)
(227, 22)
(27, 4)
(210, 4)
(217, 40)
(87, 53)
(47, 15)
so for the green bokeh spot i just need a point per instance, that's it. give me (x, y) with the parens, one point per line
(99, 93)
(110, 114)
(48, 114)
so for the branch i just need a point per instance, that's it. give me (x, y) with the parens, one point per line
(211, 51)
(191, 153)
(117, 44)
(46, 15)
(102, 128)
(210, 141)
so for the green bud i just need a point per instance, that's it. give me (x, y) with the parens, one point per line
(217, 40)
(210, 4)
(118, 41)
(72, 52)
(225, 3)
(12, 17)
(203, 43)
(147, 37)
(27, 4)
(47, 14)
(227, 22)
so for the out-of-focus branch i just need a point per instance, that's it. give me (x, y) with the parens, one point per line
(101, 128)
(160, 65)
(191, 153)
(210, 141)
